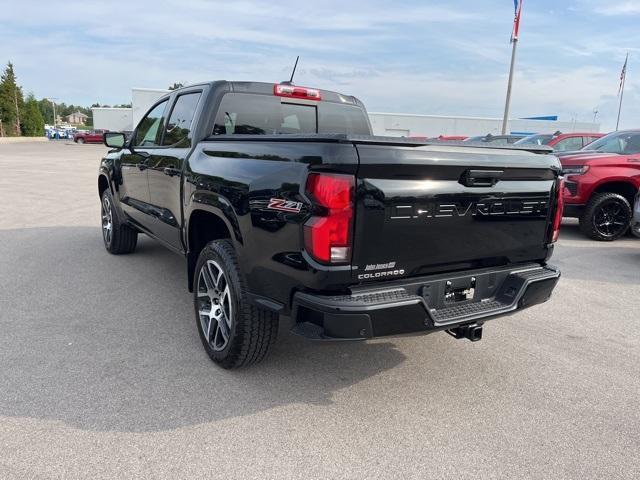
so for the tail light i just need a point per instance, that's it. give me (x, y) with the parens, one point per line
(557, 219)
(281, 90)
(328, 236)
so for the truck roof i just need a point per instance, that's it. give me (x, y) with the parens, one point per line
(265, 88)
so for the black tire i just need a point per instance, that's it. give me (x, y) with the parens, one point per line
(119, 238)
(606, 217)
(80, 141)
(250, 330)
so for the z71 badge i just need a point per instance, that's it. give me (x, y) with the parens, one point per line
(284, 205)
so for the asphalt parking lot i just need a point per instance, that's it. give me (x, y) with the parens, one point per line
(102, 374)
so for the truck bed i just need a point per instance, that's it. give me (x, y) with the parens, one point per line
(375, 140)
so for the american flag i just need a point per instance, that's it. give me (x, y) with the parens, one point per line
(623, 74)
(517, 5)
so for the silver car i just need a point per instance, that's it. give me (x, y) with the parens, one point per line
(635, 221)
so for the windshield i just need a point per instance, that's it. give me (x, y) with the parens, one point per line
(542, 139)
(617, 142)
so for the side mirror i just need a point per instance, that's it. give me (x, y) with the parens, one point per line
(114, 139)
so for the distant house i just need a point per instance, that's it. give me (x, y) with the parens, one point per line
(77, 118)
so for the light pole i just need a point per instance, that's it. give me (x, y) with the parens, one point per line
(54, 110)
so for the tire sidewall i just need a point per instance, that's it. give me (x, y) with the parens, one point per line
(595, 207)
(216, 251)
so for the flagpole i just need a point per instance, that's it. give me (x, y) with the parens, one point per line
(624, 79)
(505, 118)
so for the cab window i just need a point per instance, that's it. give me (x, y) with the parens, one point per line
(150, 127)
(254, 114)
(179, 125)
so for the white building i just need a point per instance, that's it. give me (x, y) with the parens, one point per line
(410, 125)
(114, 119)
(124, 119)
(142, 99)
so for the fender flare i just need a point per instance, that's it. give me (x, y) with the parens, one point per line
(218, 206)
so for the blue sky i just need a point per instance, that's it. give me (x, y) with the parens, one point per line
(431, 57)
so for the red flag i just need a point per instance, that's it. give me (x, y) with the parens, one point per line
(516, 21)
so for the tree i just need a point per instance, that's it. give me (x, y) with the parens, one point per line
(11, 102)
(46, 110)
(176, 85)
(32, 121)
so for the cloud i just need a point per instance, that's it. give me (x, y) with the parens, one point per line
(432, 57)
(628, 7)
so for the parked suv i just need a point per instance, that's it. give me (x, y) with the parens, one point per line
(601, 183)
(561, 142)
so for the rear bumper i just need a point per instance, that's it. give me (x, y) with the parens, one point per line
(418, 305)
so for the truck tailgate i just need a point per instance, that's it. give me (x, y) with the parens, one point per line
(437, 208)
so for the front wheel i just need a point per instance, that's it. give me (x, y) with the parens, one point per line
(233, 331)
(80, 141)
(606, 217)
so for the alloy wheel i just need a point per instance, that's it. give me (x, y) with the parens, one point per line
(215, 309)
(107, 220)
(610, 219)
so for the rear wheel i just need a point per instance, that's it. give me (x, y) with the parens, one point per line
(80, 141)
(233, 331)
(118, 237)
(606, 217)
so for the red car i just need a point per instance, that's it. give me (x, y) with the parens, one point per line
(561, 142)
(601, 182)
(94, 136)
(450, 138)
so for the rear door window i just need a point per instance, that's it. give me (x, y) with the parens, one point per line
(179, 125)
(567, 144)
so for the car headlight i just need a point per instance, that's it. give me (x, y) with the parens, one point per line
(575, 170)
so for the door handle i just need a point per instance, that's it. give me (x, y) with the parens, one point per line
(171, 171)
(142, 166)
(481, 178)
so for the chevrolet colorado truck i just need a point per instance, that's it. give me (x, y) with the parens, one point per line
(290, 214)
(601, 182)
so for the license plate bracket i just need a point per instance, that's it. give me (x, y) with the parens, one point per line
(459, 290)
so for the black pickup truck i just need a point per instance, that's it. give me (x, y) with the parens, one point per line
(287, 210)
